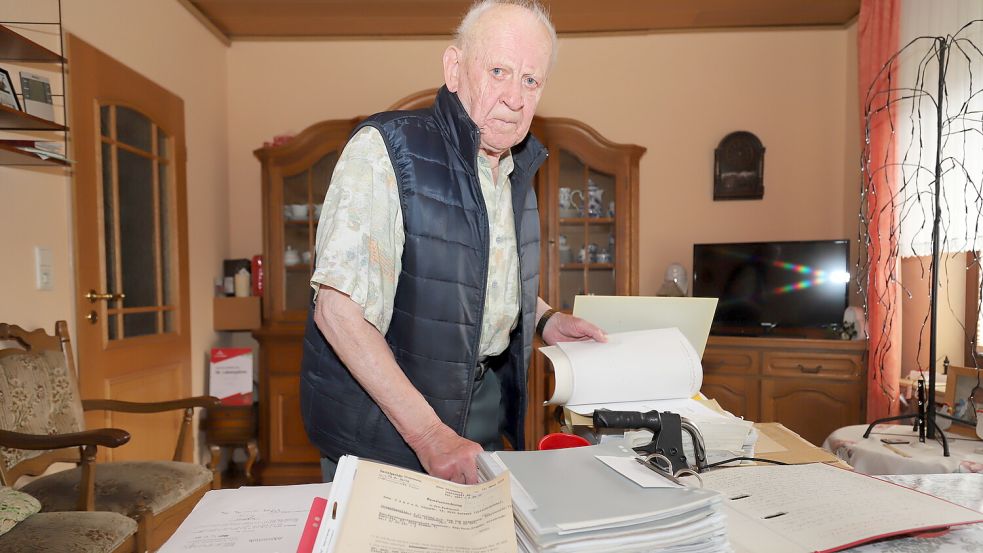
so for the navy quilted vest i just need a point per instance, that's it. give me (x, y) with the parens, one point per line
(440, 294)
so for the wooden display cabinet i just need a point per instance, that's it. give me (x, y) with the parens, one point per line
(295, 178)
(599, 229)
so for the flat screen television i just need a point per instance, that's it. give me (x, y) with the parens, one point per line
(773, 286)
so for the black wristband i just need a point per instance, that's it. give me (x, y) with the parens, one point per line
(541, 325)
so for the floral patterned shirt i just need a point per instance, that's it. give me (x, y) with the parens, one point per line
(360, 238)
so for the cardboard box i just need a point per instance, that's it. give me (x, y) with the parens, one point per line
(230, 375)
(793, 449)
(232, 313)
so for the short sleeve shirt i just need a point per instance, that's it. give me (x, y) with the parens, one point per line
(360, 238)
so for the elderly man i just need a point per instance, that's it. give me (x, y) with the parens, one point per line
(419, 340)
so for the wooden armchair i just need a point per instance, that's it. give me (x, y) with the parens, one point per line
(41, 422)
(24, 530)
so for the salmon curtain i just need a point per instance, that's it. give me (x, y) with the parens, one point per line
(877, 36)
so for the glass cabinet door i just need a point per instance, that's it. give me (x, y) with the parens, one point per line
(587, 233)
(303, 196)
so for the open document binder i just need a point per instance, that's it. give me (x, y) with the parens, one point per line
(820, 508)
(642, 371)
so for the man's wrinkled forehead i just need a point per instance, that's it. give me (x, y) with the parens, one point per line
(498, 30)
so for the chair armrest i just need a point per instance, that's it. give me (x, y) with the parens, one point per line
(148, 407)
(106, 437)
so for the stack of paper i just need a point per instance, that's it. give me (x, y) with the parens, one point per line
(41, 149)
(260, 519)
(725, 436)
(644, 370)
(374, 507)
(584, 499)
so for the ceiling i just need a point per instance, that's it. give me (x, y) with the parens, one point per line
(241, 19)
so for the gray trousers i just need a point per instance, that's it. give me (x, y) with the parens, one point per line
(484, 424)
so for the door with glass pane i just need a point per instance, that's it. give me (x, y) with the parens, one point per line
(132, 308)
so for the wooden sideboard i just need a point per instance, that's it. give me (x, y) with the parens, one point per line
(811, 386)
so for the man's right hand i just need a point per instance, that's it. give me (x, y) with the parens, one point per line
(364, 350)
(445, 454)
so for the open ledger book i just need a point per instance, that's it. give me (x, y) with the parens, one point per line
(645, 370)
(375, 507)
(627, 372)
(819, 508)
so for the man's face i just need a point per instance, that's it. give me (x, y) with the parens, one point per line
(500, 76)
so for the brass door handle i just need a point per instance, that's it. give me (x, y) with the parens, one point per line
(92, 296)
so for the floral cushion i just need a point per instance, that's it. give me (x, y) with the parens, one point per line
(123, 487)
(15, 506)
(39, 395)
(78, 532)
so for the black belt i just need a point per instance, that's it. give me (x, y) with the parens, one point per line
(482, 368)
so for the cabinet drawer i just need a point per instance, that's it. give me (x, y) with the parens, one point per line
(812, 365)
(730, 361)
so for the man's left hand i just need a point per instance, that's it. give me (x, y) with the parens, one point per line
(567, 328)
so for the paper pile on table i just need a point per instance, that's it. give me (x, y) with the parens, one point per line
(572, 500)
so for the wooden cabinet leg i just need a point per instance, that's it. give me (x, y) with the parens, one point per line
(216, 458)
(253, 452)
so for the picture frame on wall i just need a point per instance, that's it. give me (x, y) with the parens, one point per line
(8, 96)
(964, 392)
(738, 167)
(36, 90)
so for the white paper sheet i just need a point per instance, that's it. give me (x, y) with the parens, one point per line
(631, 469)
(267, 519)
(642, 365)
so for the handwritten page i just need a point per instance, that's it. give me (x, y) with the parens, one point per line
(641, 365)
(823, 508)
(267, 519)
(386, 508)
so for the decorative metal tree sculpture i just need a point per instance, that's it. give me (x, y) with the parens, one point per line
(936, 155)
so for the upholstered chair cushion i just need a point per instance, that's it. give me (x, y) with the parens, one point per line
(15, 506)
(124, 487)
(78, 532)
(40, 396)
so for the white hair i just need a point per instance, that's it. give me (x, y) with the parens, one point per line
(465, 31)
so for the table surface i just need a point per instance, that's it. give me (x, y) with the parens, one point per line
(874, 456)
(963, 489)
